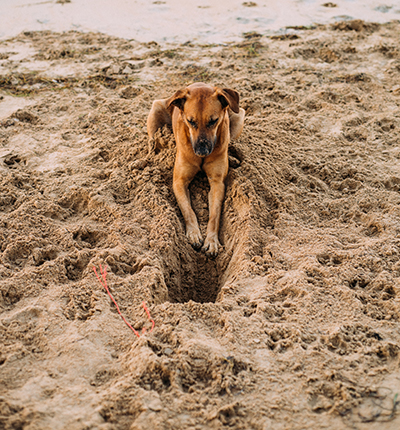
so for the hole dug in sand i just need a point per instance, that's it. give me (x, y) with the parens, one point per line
(200, 282)
(198, 276)
(204, 282)
(190, 275)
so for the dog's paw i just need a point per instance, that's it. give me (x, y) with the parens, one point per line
(210, 247)
(195, 238)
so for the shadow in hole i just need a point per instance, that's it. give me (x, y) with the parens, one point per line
(205, 280)
(198, 280)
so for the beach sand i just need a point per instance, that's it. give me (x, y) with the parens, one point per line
(293, 326)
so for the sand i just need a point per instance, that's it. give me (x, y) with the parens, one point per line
(177, 21)
(295, 325)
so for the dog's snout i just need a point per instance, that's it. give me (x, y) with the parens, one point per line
(203, 147)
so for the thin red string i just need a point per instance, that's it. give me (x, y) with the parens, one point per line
(103, 282)
(149, 317)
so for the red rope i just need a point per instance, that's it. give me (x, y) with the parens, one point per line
(103, 282)
(148, 316)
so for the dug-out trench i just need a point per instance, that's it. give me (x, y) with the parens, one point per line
(195, 276)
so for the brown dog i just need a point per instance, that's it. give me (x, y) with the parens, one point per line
(204, 119)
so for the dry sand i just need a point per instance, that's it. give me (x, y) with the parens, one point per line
(294, 326)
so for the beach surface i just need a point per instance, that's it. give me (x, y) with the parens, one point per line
(293, 326)
(199, 21)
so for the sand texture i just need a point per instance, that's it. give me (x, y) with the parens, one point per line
(295, 325)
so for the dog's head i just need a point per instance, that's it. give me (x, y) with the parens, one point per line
(203, 110)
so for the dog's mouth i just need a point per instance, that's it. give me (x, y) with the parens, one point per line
(203, 147)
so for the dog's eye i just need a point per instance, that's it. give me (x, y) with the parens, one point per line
(212, 122)
(192, 123)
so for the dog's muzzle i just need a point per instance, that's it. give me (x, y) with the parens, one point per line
(203, 147)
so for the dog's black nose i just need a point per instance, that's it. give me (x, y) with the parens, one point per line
(203, 147)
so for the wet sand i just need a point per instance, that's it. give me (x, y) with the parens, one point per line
(199, 21)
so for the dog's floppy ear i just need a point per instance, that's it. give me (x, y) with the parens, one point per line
(178, 99)
(230, 98)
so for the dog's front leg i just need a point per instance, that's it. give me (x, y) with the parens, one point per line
(215, 199)
(216, 173)
(183, 175)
